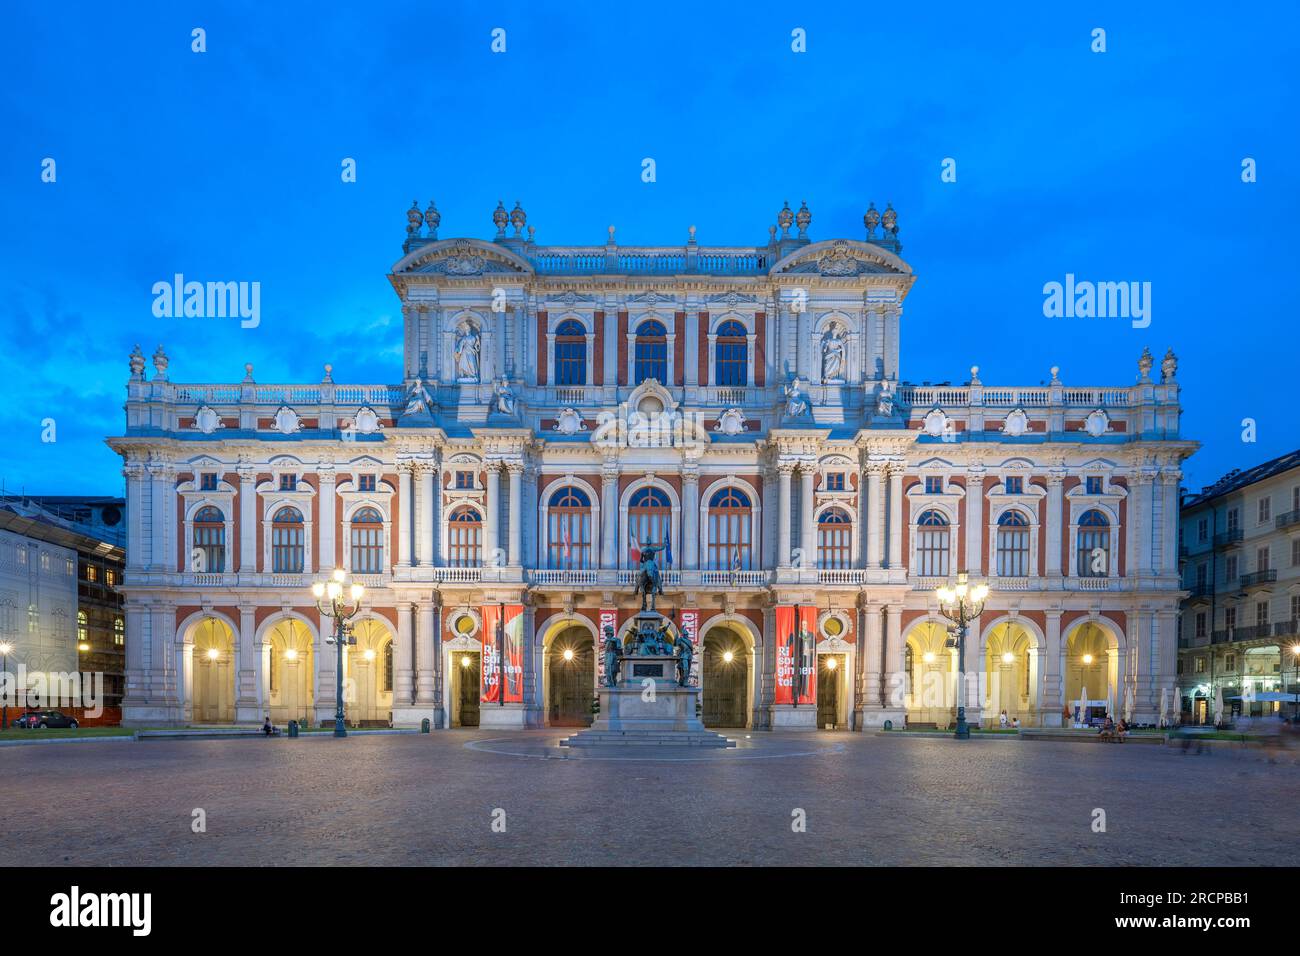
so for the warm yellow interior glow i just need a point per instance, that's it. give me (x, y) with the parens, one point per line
(831, 663)
(464, 661)
(928, 657)
(568, 653)
(1008, 657)
(1087, 658)
(213, 653)
(369, 654)
(291, 654)
(728, 656)
(83, 646)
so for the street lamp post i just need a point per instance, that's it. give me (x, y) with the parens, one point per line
(5, 650)
(1295, 698)
(342, 612)
(961, 604)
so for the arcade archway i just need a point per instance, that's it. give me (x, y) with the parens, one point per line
(213, 678)
(290, 671)
(570, 677)
(726, 676)
(930, 667)
(370, 674)
(1010, 674)
(1092, 665)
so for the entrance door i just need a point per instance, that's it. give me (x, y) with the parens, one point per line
(828, 689)
(723, 673)
(467, 694)
(572, 680)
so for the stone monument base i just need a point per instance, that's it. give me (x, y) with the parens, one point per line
(648, 707)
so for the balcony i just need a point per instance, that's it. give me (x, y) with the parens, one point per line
(565, 577)
(1093, 584)
(1286, 628)
(206, 579)
(1010, 584)
(458, 575)
(1256, 578)
(1228, 539)
(733, 579)
(1200, 591)
(1286, 520)
(841, 576)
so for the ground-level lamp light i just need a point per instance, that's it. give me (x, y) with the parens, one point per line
(5, 650)
(961, 603)
(213, 653)
(1087, 658)
(728, 657)
(330, 603)
(464, 661)
(831, 663)
(568, 654)
(1008, 657)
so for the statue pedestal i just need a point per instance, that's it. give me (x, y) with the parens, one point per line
(648, 707)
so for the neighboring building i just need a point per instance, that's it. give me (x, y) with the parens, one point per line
(61, 564)
(557, 408)
(1240, 625)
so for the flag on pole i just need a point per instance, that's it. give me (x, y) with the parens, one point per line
(634, 546)
(668, 546)
(735, 558)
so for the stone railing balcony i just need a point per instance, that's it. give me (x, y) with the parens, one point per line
(653, 260)
(1227, 539)
(567, 577)
(1256, 578)
(841, 575)
(1286, 520)
(458, 575)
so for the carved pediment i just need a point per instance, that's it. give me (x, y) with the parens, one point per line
(842, 258)
(461, 258)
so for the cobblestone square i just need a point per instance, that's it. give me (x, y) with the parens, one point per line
(430, 800)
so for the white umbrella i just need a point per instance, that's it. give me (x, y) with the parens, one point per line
(1110, 702)
(1128, 705)
(1164, 704)
(1218, 705)
(1083, 704)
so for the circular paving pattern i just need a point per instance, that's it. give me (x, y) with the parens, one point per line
(546, 746)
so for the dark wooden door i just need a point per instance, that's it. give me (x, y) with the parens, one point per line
(828, 689)
(726, 697)
(572, 686)
(469, 681)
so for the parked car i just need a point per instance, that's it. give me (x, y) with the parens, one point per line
(42, 719)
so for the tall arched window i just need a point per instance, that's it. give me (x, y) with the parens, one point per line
(464, 538)
(210, 538)
(651, 357)
(568, 531)
(834, 539)
(367, 542)
(648, 516)
(570, 353)
(932, 537)
(1013, 544)
(731, 354)
(730, 520)
(1094, 545)
(287, 541)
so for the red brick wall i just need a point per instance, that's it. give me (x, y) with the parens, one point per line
(679, 348)
(760, 348)
(702, 355)
(541, 348)
(598, 346)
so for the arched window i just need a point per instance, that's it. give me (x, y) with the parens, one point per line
(648, 516)
(731, 354)
(367, 542)
(1013, 544)
(388, 667)
(287, 549)
(568, 532)
(932, 537)
(651, 356)
(570, 353)
(730, 520)
(834, 539)
(464, 538)
(210, 538)
(1094, 545)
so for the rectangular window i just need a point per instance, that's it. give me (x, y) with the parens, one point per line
(109, 577)
(1230, 662)
(1200, 624)
(1261, 559)
(1234, 519)
(933, 485)
(1295, 611)
(1015, 485)
(1261, 614)
(835, 481)
(92, 573)
(1230, 568)
(464, 479)
(1295, 498)
(208, 481)
(1202, 530)
(1092, 485)
(365, 482)
(1202, 573)
(1200, 665)
(1265, 509)
(22, 555)
(1295, 552)
(288, 482)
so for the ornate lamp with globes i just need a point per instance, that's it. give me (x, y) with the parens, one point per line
(330, 603)
(961, 604)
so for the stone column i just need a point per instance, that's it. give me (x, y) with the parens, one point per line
(785, 470)
(872, 654)
(975, 522)
(164, 687)
(1169, 480)
(1051, 688)
(403, 660)
(248, 680)
(863, 556)
(515, 470)
(325, 558)
(690, 515)
(248, 519)
(1055, 522)
(807, 523)
(405, 500)
(609, 514)
(426, 647)
(427, 475)
(491, 509)
(134, 473)
(893, 678)
(895, 515)
(875, 525)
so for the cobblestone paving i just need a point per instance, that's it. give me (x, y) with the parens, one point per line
(397, 800)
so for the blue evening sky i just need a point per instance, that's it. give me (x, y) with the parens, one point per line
(225, 166)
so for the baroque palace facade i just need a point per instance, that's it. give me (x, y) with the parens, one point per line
(558, 408)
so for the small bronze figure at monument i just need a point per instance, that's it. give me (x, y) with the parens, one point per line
(647, 582)
(684, 654)
(613, 656)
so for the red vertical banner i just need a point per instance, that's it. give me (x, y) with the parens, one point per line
(512, 652)
(796, 654)
(490, 670)
(608, 618)
(690, 624)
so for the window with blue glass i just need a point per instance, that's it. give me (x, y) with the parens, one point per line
(933, 485)
(651, 353)
(835, 481)
(570, 353)
(932, 544)
(731, 354)
(366, 483)
(1094, 545)
(1013, 544)
(730, 521)
(1015, 485)
(1092, 484)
